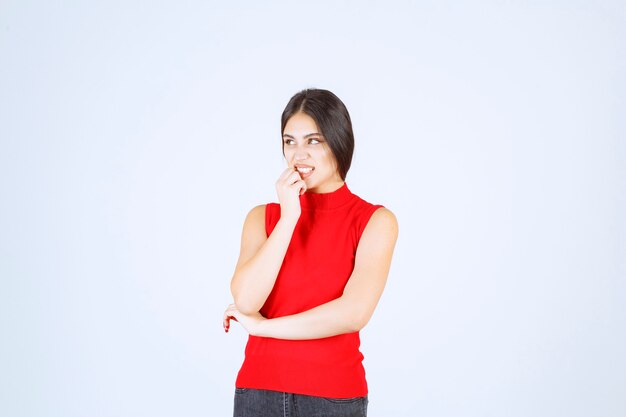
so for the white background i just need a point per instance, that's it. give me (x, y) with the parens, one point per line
(135, 137)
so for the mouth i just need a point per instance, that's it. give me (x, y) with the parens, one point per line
(304, 170)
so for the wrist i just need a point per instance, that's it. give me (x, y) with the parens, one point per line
(289, 220)
(261, 328)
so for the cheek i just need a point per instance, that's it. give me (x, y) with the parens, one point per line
(329, 161)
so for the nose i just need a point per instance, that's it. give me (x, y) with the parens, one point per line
(300, 154)
(296, 153)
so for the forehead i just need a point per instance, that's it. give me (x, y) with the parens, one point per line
(300, 124)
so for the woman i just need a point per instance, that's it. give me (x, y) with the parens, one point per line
(310, 272)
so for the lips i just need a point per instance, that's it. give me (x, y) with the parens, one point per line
(304, 170)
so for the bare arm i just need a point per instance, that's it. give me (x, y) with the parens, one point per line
(260, 256)
(260, 259)
(350, 312)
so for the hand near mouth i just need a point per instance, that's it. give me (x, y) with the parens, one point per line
(289, 187)
(304, 171)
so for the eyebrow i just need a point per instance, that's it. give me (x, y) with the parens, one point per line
(305, 136)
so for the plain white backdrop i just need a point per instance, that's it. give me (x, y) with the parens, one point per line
(135, 136)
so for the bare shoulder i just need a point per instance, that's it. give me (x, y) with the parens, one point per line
(376, 246)
(253, 234)
(255, 220)
(256, 213)
(383, 220)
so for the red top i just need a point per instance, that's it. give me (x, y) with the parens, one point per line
(316, 268)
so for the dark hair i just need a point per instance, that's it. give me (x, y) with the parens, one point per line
(331, 117)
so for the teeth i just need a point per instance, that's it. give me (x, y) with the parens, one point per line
(304, 170)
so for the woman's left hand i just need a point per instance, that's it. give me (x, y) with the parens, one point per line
(250, 322)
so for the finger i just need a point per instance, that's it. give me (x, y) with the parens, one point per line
(293, 177)
(290, 170)
(300, 185)
(226, 323)
(232, 313)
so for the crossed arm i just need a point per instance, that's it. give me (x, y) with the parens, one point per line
(348, 313)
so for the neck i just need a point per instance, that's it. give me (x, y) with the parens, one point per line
(327, 201)
(326, 188)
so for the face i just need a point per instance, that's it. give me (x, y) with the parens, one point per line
(307, 150)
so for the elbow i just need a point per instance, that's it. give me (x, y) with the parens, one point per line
(358, 322)
(244, 305)
(247, 309)
(357, 316)
(244, 302)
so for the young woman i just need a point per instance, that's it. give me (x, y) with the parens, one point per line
(310, 272)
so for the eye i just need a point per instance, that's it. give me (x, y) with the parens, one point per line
(288, 141)
(314, 141)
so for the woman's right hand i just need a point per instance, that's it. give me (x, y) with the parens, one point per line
(289, 187)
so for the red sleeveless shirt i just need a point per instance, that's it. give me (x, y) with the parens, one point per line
(315, 270)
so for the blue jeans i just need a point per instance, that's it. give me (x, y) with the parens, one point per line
(264, 403)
